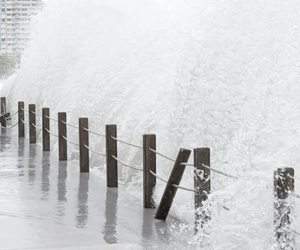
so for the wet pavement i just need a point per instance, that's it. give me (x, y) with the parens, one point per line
(47, 203)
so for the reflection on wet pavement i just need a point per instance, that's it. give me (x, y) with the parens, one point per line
(47, 203)
(110, 232)
(82, 201)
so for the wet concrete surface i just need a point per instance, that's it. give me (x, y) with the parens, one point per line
(47, 203)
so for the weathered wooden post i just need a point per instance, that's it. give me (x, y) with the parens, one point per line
(111, 149)
(62, 132)
(21, 117)
(283, 187)
(201, 185)
(46, 128)
(149, 164)
(83, 145)
(3, 111)
(3, 105)
(32, 123)
(174, 179)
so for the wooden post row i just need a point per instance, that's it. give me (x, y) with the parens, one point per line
(21, 117)
(202, 185)
(283, 186)
(46, 126)
(83, 145)
(111, 149)
(32, 123)
(62, 132)
(149, 164)
(174, 179)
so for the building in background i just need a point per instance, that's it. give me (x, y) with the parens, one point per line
(15, 19)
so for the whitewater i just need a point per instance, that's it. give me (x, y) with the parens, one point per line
(197, 73)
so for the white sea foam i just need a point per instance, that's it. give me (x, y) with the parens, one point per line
(197, 73)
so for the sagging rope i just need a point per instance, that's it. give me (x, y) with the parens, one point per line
(68, 124)
(51, 118)
(36, 126)
(76, 144)
(25, 110)
(93, 132)
(157, 176)
(184, 188)
(174, 185)
(51, 133)
(296, 232)
(10, 126)
(295, 195)
(154, 151)
(219, 172)
(93, 150)
(12, 115)
(125, 164)
(130, 144)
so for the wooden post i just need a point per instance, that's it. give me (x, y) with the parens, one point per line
(174, 179)
(21, 117)
(32, 123)
(201, 185)
(62, 131)
(3, 105)
(149, 164)
(3, 111)
(46, 126)
(283, 186)
(83, 142)
(111, 149)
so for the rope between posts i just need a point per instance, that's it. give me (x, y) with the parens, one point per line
(51, 118)
(187, 164)
(219, 172)
(36, 126)
(295, 195)
(152, 150)
(125, 164)
(13, 114)
(10, 126)
(94, 150)
(36, 113)
(184, 188)
(68, 124)
(130, 144)
(93, 132)
(296, 232)
(51, 133)
(157, 176)
(76, 144)
(25, 110)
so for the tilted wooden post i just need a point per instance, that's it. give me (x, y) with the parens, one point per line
(283, 187)
(201, 185)
(111, 149)
(46, 126)
(149, 164)
(21, 117)
(174, 179)
(83, 144)
(32, 123)
(62, 131)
